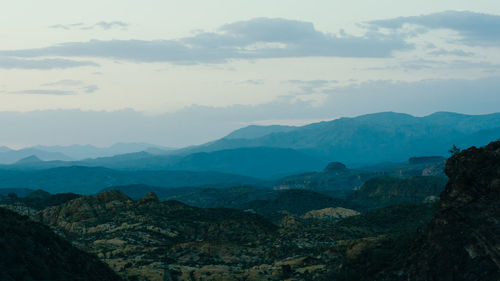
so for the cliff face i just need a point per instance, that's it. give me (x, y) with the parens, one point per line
(463, 240)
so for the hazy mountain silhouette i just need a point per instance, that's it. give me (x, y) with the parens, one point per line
(249, 161)
(371, 138)
(275, 151)
(80, 152)
(254, 131)
(89, 180)
(9, 156)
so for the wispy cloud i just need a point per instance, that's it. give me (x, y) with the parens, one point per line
(45, 92)
(253, 39)
(418, 64)
(307, 87)
(90, 89)
(64, 87)
(474, 28)
(66, 82)
(252, 82)
(454, 52)
(42, 64)
(105, 25)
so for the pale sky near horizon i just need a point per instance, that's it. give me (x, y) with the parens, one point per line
(195, 70)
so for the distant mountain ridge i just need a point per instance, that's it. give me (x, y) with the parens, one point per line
(89, 180)
(261, 162)
(276, 151)
(80, 152)
(9, 156)
(76, 152)
(255, 131)
(371, 138)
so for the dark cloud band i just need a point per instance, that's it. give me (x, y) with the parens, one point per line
(254, 39)
(42, 64)
(475, 28)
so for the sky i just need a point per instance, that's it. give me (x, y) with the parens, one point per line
(181, 73)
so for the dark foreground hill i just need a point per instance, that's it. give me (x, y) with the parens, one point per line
(35, 201)
(31, 251)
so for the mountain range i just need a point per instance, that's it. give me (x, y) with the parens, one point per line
(370, 145)
(369, 139)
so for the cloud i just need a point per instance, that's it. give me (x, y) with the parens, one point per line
(308, 87)
(42, 64)
(474, 28)
(109, 25)
(65, 87)
(105, 25)
(418, 64)
(66, 82)
(66, 26)
(252, 82)
(454, 52)
(253, 39)
(90, 89)
(45, 92)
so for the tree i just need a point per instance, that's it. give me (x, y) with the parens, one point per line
(454, 150)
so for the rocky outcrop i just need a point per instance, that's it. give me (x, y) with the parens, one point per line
(135, 237)
(69, 216)
(330, 213)
(149, 198)
(463, 240)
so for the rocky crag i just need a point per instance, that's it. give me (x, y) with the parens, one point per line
(461, 242)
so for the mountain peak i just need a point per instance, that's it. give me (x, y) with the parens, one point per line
(29, 160)
(334, 167)
(112, 195)
(149, 198)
